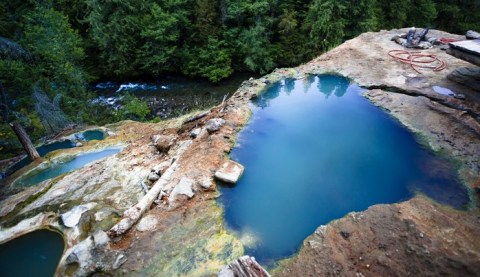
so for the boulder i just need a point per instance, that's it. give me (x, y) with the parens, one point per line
(163, 142)
(72, 217)
(230, 172)
(184, 187)
(472, 35)
(214, 124)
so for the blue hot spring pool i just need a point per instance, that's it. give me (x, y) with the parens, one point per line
(34, 254)
(45, 149)
(315, 150)
(64, 167)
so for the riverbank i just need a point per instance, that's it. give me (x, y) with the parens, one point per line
(183, 233)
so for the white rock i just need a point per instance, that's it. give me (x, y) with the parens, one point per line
(184, 187)
(214, 124)
(230, 172)
(72, 217)
(147, 223)
(195, 132)
(100, 238)
(206, 183)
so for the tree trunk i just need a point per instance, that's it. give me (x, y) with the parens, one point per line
(3, 104)
(25, 140)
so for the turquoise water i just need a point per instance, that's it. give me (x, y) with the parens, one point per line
(34, 254)
(91, 135)
(315, 150)
(61, 168)
(45, 149)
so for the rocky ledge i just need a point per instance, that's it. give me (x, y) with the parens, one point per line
(157, 198)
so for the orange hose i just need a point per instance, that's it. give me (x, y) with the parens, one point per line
(417, 60)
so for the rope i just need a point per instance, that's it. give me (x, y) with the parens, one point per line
(447, 40)
(417, 60)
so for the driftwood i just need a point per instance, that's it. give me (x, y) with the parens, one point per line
(133, 214)
(196, 117)
(25, 140)
(245, 266)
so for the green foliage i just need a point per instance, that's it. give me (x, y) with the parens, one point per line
(212, 62)
(324, 24)
(255, 47)
(9, 144)
(458, 16)
(60, 45)
(134, 108)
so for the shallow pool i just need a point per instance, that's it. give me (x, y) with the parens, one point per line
(315, 150)
(64, 167)
(45, 149)
(34, 254)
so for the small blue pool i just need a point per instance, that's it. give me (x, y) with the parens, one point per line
(35, 254)
(315, 150)
(45, 149)
(64, 167)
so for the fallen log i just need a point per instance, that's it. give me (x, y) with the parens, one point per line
(196, 117)
(245, 266)
(133, 214)
(25, 140)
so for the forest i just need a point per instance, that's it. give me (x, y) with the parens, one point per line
(52, 49)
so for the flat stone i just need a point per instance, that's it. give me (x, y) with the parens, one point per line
(184, 187)
(147, 223)
(214, 124)
(230, 172)
(72, 217)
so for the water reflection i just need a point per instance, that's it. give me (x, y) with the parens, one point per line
(315, 150)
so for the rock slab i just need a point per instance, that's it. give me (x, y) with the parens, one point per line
(72, 217)
(230, 172)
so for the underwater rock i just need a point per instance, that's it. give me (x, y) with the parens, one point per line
(163, 142)
(230, 172)
(148, 223)
(214, 124)
(72, 217)
(245, 266)
(184, 187)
